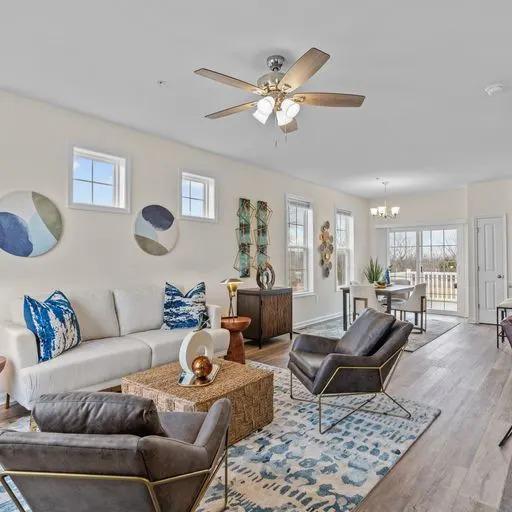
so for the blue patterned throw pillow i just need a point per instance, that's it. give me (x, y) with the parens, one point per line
(185, 311)
(54, 324)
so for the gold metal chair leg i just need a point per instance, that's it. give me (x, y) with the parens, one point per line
(226, 474)
(409, 415)
(343, 417)
(11, 494)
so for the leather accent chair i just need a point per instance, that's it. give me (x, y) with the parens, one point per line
(362, 362)
(114, 452)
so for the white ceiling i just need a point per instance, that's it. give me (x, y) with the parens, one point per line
(426, 123)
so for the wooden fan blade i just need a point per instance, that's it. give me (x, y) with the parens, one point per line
(292, 126)
(303, 69)
(232, 110)
(328, 99)
(229, 80)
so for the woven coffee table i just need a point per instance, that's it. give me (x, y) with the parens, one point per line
(251, 391)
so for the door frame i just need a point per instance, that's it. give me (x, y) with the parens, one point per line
(476, 310)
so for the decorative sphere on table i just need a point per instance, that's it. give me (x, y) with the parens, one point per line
(202, 367)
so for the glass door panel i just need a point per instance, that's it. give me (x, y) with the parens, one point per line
(427, 255)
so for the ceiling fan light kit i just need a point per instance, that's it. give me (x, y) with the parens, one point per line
(276, 90)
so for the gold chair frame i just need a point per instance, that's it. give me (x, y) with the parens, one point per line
(150, 485)
(383, 386)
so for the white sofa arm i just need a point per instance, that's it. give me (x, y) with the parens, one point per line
(215, 314)
(18, 345)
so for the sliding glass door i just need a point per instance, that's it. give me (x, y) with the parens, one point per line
(428, 255)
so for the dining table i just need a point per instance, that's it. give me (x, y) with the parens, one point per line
(388, 292)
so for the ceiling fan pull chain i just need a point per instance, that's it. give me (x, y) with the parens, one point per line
(275, 136)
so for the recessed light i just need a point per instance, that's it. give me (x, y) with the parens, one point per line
(161, 83)
(494, 89)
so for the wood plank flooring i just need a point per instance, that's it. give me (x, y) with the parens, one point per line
(456, 466)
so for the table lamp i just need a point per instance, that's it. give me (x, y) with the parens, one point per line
(232, 286)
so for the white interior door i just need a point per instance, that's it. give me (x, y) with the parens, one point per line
(490, 267)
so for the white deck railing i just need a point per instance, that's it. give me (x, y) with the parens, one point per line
(441, 286)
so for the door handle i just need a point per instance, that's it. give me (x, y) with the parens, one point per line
(499, 276)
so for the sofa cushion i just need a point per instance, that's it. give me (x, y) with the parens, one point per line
(308, 362)
(53, 323)
(89, 364)
(82, 412)
(140, 309)
(94, 310)
(165, 345)
(365, 333)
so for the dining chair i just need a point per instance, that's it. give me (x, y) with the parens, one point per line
(363, 296)
(402, 295)
(417, 304)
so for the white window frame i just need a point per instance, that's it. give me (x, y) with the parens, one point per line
(121, 182)
(349, 250)
(309, 237)
(210, 203)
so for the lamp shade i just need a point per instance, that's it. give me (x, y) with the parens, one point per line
(266, 105)
(260, 116)
(282, 118)
(232, 284)
(290, 108)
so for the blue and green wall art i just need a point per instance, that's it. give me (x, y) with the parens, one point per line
(156, 230)
(30, 224)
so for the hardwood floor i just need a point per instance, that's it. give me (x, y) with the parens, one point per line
(456, 466)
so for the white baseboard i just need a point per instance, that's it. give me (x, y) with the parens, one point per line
(316, 320)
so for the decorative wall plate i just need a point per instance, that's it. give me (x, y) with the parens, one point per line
(326, 248)
(156, 230)
(30, 224)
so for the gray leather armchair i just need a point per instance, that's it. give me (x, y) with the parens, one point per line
(113, 452)
(362, 362)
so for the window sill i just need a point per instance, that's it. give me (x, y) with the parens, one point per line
(304, 294)
(197, 219)
(98, 208)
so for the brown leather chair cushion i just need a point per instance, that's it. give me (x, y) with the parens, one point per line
(365, 333)
(97, 413)
(308, 362)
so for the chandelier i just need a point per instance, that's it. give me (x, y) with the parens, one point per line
(385, 212)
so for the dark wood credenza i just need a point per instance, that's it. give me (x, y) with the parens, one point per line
(269, 310)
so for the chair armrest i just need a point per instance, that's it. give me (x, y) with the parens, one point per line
(316, 344)
(353, 374)
(212, 434)
(18, 345)
(215, 314)
(165, 457)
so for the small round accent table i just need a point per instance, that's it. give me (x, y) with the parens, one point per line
(235, 325)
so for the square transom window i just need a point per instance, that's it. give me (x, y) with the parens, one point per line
(98, 182)
(197, 197)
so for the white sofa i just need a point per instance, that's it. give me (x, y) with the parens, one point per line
(120, 335)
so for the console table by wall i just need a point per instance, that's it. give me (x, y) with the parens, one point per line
(270, 311)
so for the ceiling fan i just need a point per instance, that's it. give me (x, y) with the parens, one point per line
(277, 90)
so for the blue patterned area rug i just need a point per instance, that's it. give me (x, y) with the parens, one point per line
(288, 466)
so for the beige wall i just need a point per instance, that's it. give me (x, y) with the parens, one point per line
(98, 250)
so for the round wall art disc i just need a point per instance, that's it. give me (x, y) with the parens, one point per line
(30, 224)
(156, 230)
